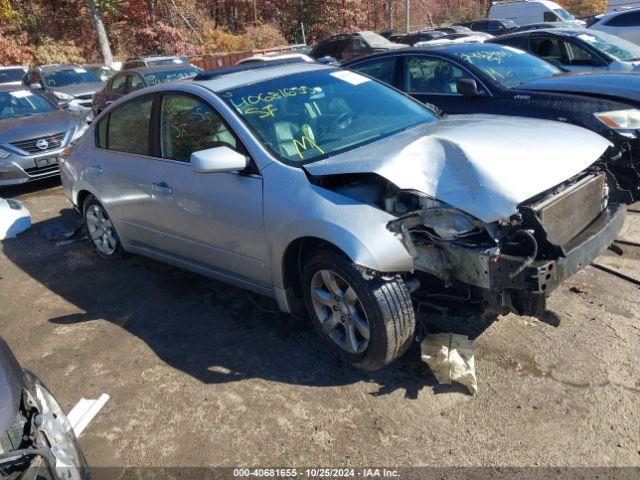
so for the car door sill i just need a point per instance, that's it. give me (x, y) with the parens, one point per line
(207, 271)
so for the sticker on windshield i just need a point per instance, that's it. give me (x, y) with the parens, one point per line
(20, 94)
(79, 70)
(177, 60)
(350, 77)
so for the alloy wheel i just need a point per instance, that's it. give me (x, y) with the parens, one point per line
(340, 311)
(101, 230)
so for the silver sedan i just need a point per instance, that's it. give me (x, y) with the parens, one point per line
(333, 193)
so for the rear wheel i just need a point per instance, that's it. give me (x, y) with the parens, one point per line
(100, 229)
(366, 320)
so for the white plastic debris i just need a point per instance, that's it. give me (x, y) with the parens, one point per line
(14, 218)
(84, 412)
(451, 359)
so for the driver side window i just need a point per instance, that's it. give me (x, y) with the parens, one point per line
(189, 124)
(431, 75)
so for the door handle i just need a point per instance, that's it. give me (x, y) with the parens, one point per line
(97, 169)
(162, 188)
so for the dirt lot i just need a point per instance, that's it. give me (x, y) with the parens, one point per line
(203, 374)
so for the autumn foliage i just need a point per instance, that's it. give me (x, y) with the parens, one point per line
(46, 31)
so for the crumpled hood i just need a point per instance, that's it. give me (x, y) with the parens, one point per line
(10, 387)
(484, 165)
(38, 125)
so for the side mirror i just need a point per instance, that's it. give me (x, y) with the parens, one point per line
(218, 160)
(36, 86)
(469, 88)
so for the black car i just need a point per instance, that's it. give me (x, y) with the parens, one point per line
(69, 86)
(36, 439)
(542, 26)
(494, 27)
(415, 37)
(488, 78)
(137, 78)
(450, 29)
(349, 46)
(577, 49)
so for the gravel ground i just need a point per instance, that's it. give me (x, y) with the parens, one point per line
(204, 374)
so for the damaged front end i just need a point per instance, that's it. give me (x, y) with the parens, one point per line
(511, 265)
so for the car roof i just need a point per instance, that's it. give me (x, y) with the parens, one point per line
(616, 12)
(14, 67)
(159, 68)
(569, 32)
(8, 87)
(220, 80)
(60, 66)
(153, 57)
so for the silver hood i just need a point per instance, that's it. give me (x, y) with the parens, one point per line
(485, 165)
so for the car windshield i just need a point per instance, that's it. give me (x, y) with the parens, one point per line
(374, 40)
(308, 116)
(507, 65)
(69, 76)
(615, 47)
(22, 103)
(170, 75)
(11, 75)
(563, 14)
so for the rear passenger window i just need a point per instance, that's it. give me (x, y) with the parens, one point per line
(383, 70)
(189, 124)
(128, 127)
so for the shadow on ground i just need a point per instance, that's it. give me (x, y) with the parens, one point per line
(212, 331)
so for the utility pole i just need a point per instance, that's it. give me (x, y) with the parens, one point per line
(390, 8)
(407, 15)
(304, 37)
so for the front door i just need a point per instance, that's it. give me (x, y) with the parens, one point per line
(210, 219)
(433, 80)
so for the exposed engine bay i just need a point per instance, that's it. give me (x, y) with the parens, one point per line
(510, 265)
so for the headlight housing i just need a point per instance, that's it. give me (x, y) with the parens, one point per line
(63, 96)
(620, 119)
(4, 154)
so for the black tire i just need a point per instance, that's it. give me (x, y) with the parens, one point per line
(92, 203)
(385, 302)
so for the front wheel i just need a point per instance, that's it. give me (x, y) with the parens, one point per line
(366, 320)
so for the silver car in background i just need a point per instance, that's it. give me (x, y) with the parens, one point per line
(332, 192)
(33, 134)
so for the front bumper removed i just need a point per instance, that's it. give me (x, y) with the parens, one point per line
(524, 290)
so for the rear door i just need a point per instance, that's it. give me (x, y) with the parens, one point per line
(210, 220)
(120, 170)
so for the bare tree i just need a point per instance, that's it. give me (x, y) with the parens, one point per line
(101, 33)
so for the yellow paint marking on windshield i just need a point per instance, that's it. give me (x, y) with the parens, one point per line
(305, 143)
(268, 111)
